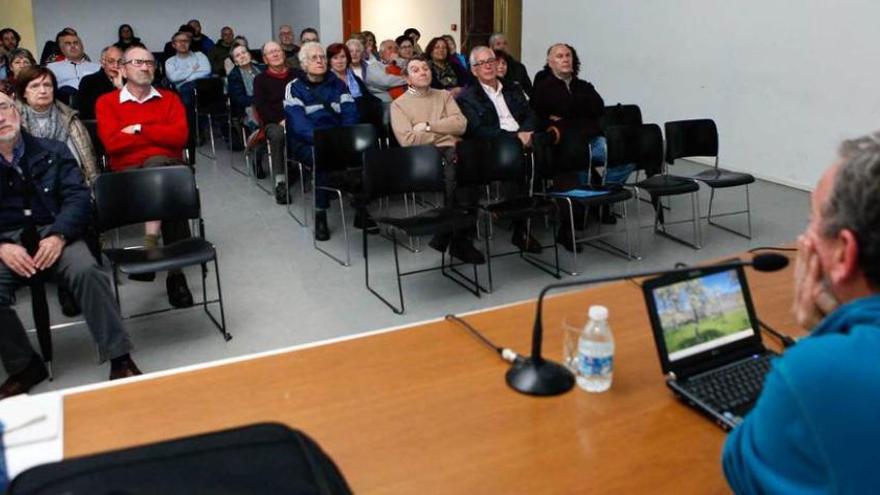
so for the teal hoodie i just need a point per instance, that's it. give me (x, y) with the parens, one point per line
(816, 426)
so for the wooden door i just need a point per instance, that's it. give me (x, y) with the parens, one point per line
(477, 23)
(351, 18)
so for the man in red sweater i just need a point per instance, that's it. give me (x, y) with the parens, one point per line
(142, 126)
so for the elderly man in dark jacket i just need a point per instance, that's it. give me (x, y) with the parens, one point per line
(45, 208)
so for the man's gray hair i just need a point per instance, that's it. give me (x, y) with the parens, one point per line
(418, 58)
(854, 202)
(306, 49)
(354, 41)
(476, 51)
(108, 48)
(494, 37)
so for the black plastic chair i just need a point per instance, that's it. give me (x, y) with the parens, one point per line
(162, 193)
(338, 156)
(621, 114)
(211, 102)
(97, 144)
(482, 162)
(415, 169)
(699, 137)
(643, 145)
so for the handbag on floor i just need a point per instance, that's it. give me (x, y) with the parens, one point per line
(260, 458)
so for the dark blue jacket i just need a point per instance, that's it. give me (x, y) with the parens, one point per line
(308, 107)
(482, 118)
(61, 193)
(235, 87)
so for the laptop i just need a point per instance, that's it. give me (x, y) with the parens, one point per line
(708, 340)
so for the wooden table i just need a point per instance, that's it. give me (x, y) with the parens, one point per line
(425, 409)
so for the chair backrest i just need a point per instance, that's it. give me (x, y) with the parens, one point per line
(638, 144)
(622, 115)
(145, 194)
(686, 138)
(341, 148)
(209, 93)
(92, 127)
(481, 161)
(402, 170)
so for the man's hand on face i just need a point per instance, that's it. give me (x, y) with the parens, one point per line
(117, 80)
(813, 299)
(525, 137)
(17, 259)
(48, 252)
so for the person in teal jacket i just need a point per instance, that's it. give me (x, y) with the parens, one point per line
(817, 422)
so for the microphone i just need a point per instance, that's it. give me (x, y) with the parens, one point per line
(535, 375)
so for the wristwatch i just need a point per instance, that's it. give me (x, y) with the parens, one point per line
(427, 127)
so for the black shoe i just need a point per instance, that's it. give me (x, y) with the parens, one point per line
(178, 293)
(282, 194)
(364, 222)
(564, 239)
(23, 381)
(292, 173)
(465, 251)
(259, 170)
(69, 307)
(439, 242)
(143, 277)
(322, 232)
(525, 242)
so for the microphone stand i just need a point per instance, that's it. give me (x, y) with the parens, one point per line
(535, 375)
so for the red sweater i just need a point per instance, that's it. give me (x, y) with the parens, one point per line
(164, 129)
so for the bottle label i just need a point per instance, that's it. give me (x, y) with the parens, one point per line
(596, 366)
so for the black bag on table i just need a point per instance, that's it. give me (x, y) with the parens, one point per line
(261, 458)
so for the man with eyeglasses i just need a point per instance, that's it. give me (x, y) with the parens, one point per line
(45, 208)
(291, 50)
(142, 126)
(493, 109)
(317, 102)
(186, 67)
(70, 71)
(104, 81)
(384, 77)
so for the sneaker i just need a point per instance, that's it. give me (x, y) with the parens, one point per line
(465, 251)
(282, 194)
(322, 232)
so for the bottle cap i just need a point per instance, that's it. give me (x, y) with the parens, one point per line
(598, 313)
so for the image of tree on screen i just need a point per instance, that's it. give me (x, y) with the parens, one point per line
(699, 310)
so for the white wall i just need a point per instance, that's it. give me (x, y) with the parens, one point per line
(389, 18)
(154, 21)
(330, 27)
(784, 80)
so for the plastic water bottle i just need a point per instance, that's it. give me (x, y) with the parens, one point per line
(596, 352)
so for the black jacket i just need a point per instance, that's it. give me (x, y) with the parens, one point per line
(579, 105)
(517, 72)
(91, 87)
(482, 118)
(61, 190)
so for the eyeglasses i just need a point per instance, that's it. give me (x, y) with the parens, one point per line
(484, 62)
(138, 62)
(317, 58)
(6, 107)
(112, 61)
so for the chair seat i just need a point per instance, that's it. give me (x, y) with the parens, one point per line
(718, 177)
(521, 207)
(604, 199)
(185, 252)
(668, 185)
(429, 222)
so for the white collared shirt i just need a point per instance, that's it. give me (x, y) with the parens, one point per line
(69, 73)
(505, 118)
(125, 95)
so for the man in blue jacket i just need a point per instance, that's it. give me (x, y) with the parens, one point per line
(42, 189)
(815, 427)
(311, 103)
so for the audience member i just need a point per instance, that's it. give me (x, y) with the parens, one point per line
(516, 71)
(169, 50)
(371, 49)
(502, 66)
(492, 109)
(240, 83)
(457, 56)
(368, 105)
(186, 67)
(269, 94)
(200, 42)
(308, 34)
(75, 65)
(220, 53)
(317, 102)
(358, 65)
(141, 126)
(52, 48)
(9, 41)
(291, 49)
(229, 62)
(404, 48)
(424, 115)
(126, 38)
(384, 76)
(104, 81)
(43, 117)
(814, 427)
(61, 213)
(414, 34)
(19, 59)
(445, 73)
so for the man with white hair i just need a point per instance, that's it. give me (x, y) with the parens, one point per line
(516, 71)
(384, 77)
(104, 81)
(314, 102)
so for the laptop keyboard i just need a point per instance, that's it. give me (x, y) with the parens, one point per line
(731, 388)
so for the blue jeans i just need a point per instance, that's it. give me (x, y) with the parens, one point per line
(599, 156)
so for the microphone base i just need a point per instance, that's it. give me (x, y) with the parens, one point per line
(540, 377)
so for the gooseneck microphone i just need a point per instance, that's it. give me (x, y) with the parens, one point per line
(535, 375)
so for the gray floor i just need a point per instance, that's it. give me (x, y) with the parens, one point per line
(279, 291)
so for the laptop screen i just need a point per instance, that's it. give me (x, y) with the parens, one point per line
(702, 313)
